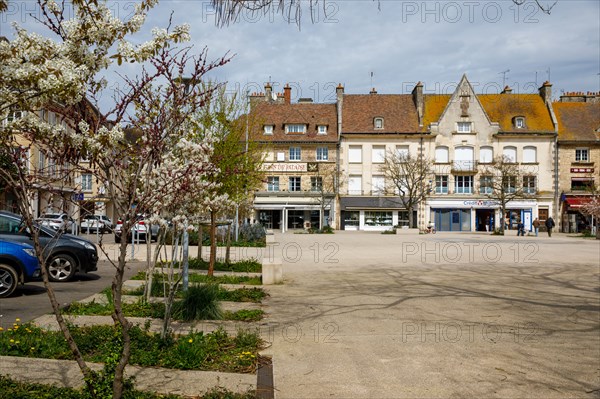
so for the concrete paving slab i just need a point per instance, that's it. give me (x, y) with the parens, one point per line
(365, 315)
(66, 373)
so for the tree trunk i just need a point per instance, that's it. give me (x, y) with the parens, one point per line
(85, 370)
(213, 243)
(119, 318)
(200, 240)
(228, 250)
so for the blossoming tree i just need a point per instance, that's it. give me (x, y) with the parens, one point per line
(153, 169)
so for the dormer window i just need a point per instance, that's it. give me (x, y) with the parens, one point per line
(295, 129)
(268, 129)
(519, 122)
(322, 129)
(378, 123)
(463, 127)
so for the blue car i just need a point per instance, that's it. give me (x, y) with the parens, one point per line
(18, 265)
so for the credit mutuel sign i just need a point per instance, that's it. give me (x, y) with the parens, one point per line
(285, 167)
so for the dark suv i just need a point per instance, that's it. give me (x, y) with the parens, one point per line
(65, 254)
(18, 264)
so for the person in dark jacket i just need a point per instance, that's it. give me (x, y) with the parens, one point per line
(520, 228)
(549, 225)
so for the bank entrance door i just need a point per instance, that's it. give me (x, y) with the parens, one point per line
(484, 219)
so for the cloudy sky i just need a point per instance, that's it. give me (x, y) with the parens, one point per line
(397, 42)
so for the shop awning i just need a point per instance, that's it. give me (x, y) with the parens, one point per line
(577, 202)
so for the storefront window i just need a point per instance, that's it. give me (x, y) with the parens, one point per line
(378, 218)
(352, 219)
(451, 219)
(402, 218)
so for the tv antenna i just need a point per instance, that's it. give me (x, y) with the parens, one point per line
(371, 79)
(503, 73)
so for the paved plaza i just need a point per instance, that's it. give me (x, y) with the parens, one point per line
(367, 315)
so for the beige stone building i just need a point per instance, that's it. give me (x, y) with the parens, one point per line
(469, 131)
(578, 117)
(58, 187)
(372, 126)
(300, 145)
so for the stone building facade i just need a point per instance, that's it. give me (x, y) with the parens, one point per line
(578, 117)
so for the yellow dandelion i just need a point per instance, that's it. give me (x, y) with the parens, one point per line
(17, 320)
(190, 340)
(1, 329)
(32, 348)
(11, 341)
(18, 342)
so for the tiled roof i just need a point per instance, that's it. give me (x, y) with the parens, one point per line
(577, 121)
(278, 115)
(502, 108)
(434, 106)
(397, 110)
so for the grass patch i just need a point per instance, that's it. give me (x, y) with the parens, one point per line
(216, 351)
(243, 266)
(199, 302)
(194, 311)
(203, 278)
(255, 295)
(245, 315)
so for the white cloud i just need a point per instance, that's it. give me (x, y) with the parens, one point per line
(407, 41)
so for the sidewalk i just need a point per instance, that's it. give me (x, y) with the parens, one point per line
(436, 316)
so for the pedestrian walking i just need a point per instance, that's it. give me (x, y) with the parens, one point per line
(520, 229)
(536, 226)
(549, 225)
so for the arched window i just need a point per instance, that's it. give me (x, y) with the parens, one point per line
(486, 154)
(441, 154)
(510, 153)
(378, 123)
(529, 154)
(463, 158)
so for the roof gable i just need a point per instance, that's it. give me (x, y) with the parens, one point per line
(463, 102)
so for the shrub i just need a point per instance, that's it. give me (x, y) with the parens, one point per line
(200, 302)
(253, 232)
(389, 231)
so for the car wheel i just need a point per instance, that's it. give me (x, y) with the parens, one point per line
(8, 280)
(61, 268)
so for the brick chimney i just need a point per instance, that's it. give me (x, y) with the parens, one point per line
(287, 94)
(546, 92)
(417, 95)
(507, 90)
(373, 91)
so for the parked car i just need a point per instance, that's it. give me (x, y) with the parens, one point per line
(96, 222)
(66, 254)
(18, 265)
(139, 230)
(57, 221)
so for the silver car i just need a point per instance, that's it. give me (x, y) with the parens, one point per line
(58, 222)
